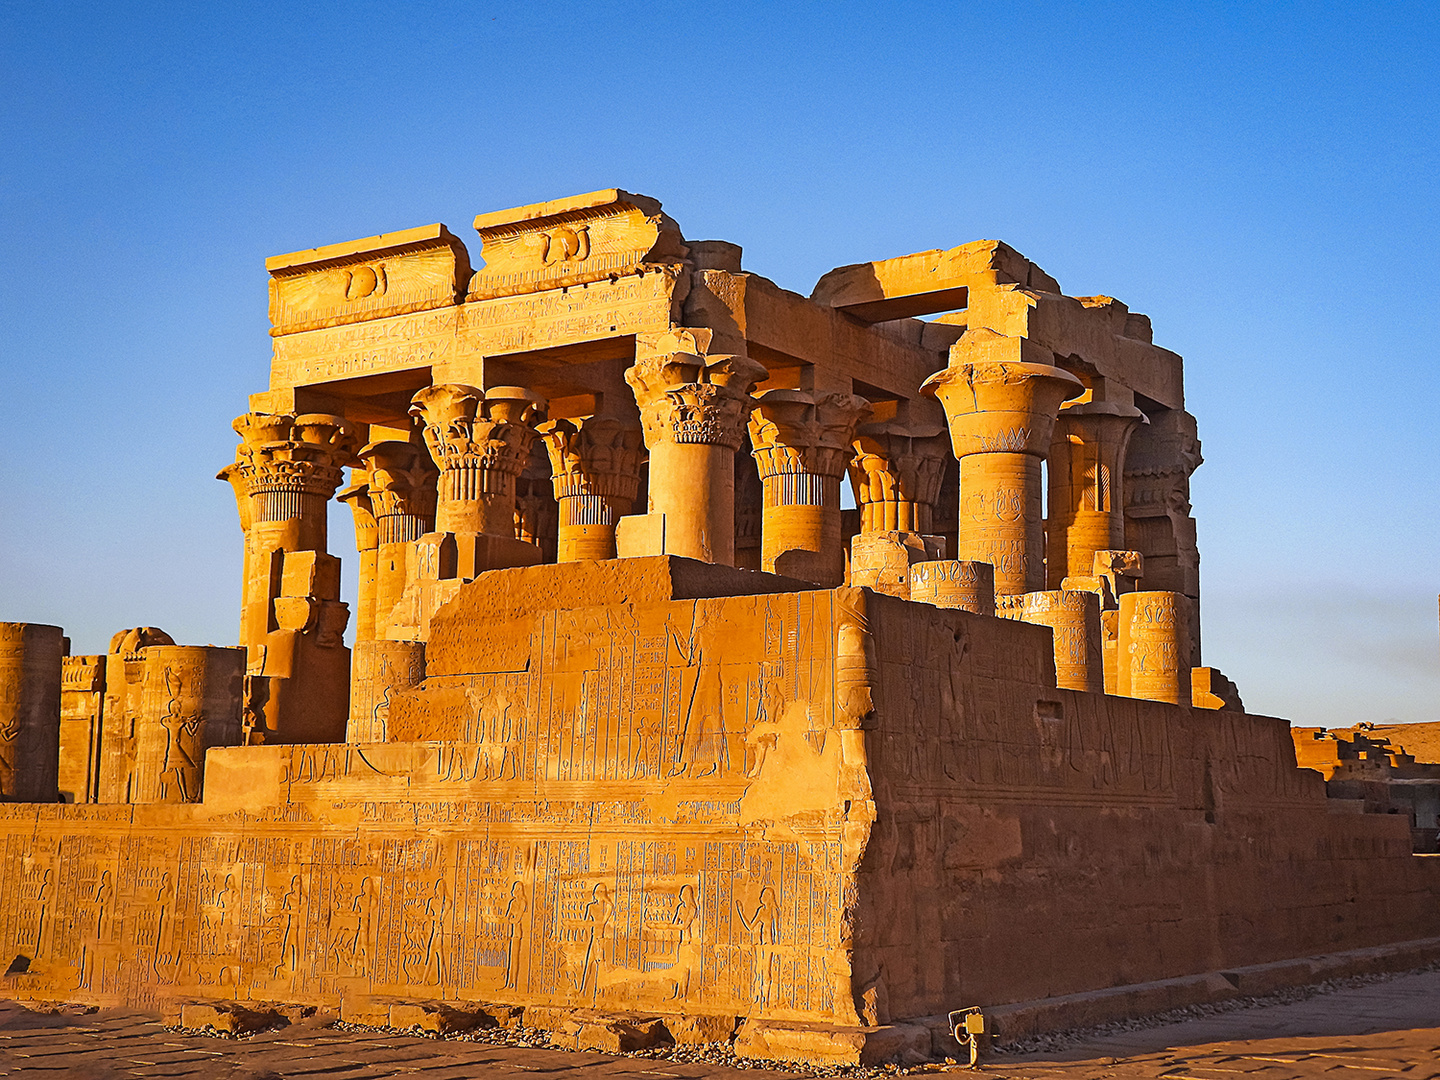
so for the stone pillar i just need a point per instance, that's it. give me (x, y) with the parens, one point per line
(124, 684)
(189, 702)
(1158, 464)
(82, 705)
(1001, 396)
(954, 583)
(595, 469)
(481, 442)
(288, 466)
(380, 669)
(480, 439)
(402, 495)
(802, 443)
(367, 542)
(1087, 506)
(1074, 621)
(30, 666)
(1153, 647)
(693, 410)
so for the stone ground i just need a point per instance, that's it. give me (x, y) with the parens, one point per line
(1388, 1028)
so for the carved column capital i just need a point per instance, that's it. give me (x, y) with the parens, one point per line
(481, 441)
(794, 432)
(286, 461)
(471, 429)
(402, 489)
(896, 473)
(1001, 406)
(593, 455)
(685, 397)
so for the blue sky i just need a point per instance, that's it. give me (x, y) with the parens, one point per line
(1259, 179)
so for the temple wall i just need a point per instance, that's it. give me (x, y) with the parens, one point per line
(825, 805)
(1031, 842)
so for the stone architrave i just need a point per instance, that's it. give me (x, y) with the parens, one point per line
(380, 670)
(402, 496)
(693, 410)
(30, 671)
(1153, 647)
(82, 703)
(191, 700)
(1074, 620)
(1001, 396)
(595, 468)
(1086, 499)
(801, 444)
(954, 583)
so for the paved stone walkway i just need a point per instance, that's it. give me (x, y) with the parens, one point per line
(1386, 1029)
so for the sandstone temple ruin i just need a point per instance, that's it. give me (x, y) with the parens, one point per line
(640, 718)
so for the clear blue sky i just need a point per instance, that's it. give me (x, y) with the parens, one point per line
(1260, 179)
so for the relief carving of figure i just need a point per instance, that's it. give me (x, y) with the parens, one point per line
(515, 911)
(598, 913)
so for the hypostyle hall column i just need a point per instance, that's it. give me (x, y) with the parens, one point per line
(693, 410)
(1086, 504)
(30, 667)
(288, 467)
(1153, 650)
(480, 440)
(595, 467)
(802, 444)
(1001, 396)
(293, 622)
(402, 494)
(367, 543)
(190, 700)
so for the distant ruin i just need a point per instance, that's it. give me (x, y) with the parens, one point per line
(640, 720)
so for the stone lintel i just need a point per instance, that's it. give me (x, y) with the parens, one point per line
(391, 243)
(535, 213)
(926, 282)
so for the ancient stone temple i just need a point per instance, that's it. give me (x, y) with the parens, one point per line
(642, 716)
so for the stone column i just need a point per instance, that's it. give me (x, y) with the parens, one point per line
(124, 684)
(595, 469)
(30, 665)
(954, 583)
(190, 701)
(1074, 621)
(402, 495)
(289, 467)
(480, 440)
(693, 410)
(1153, 647)
(1001, 396)
(82, 705)
(1087, 467)
(802, 443)
(367, 542)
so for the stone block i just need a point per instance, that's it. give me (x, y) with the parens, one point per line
(610, 1034)
(224, 1017)
(438, 1018)
(698, 1029)
(310, 573)
(822, 1044)
(639, 536)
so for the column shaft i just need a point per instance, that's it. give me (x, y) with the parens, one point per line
(1002, 519)
(30, 672)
